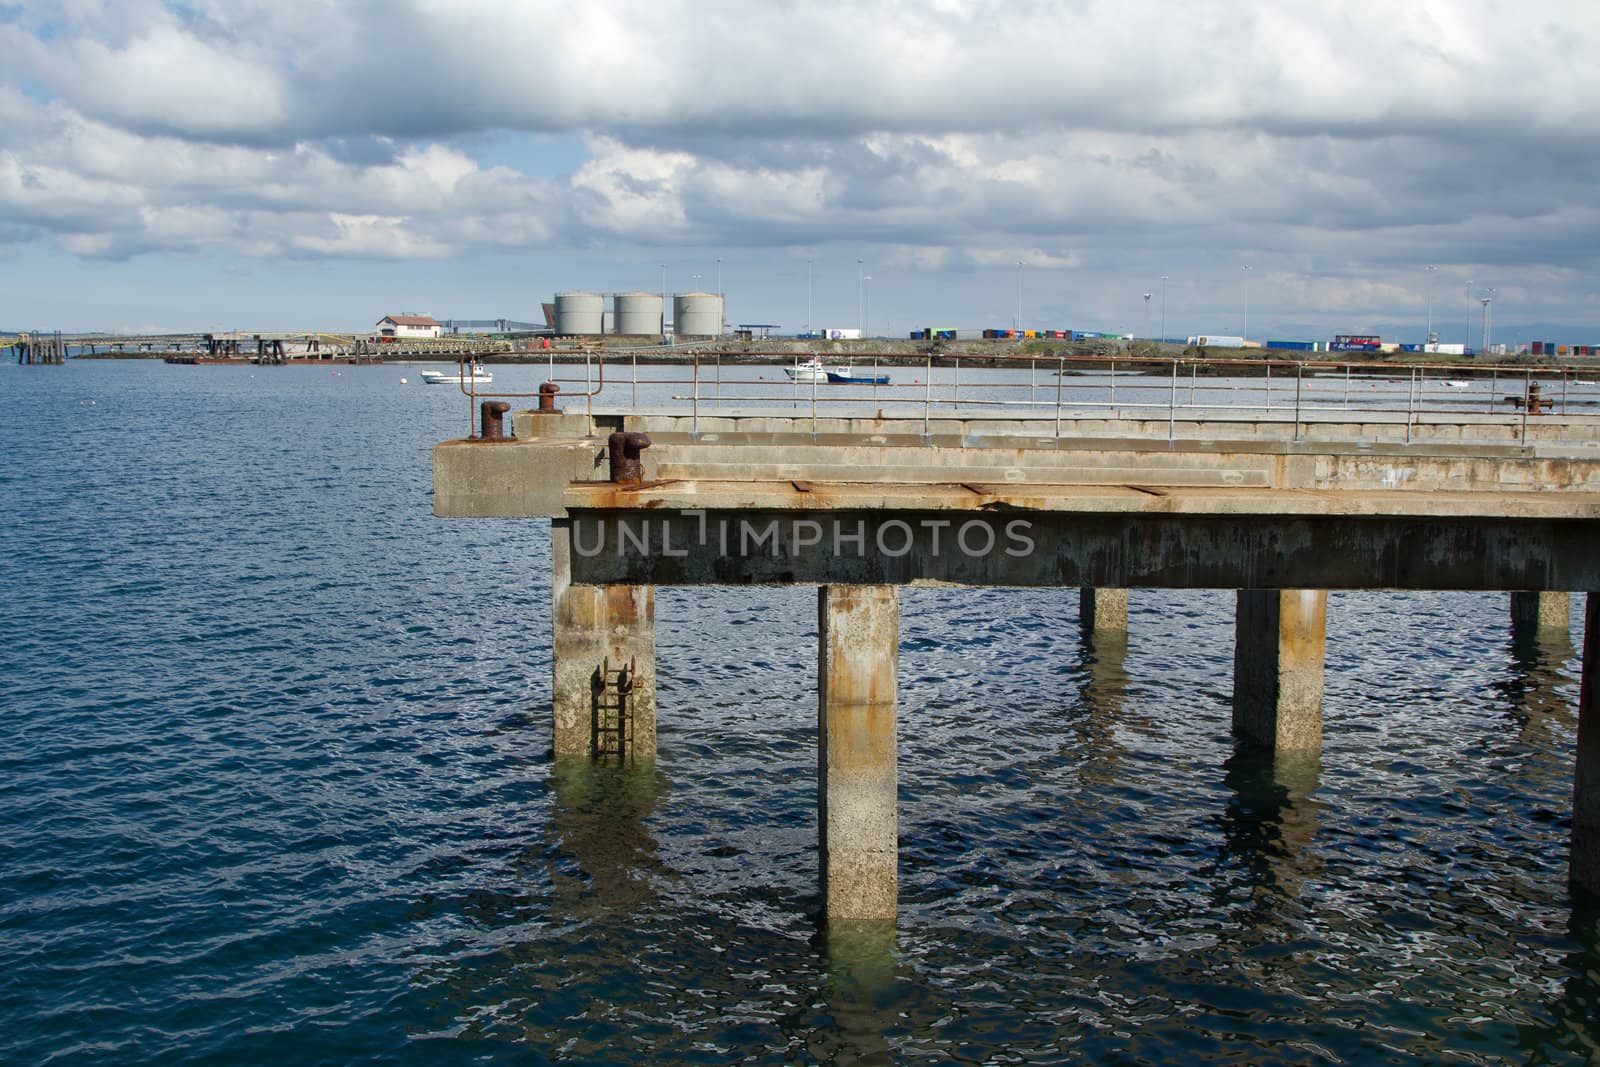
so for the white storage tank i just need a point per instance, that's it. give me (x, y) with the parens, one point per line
(697, 315)
(580, 314)
(637, 314)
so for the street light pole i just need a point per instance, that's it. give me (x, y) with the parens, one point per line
(722, 301)
(1487, 298)
(1147, 316)
(1019, 296)
(808, 296)
(1467, 344)
(866, 298)
(1427, 275)
(1246, 331)
(861, 301)
(1163, 307)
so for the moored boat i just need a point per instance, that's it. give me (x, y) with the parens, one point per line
(812, 370)
(474, 375)
(848, 376)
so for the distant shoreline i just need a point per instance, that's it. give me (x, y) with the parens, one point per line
(904, 353)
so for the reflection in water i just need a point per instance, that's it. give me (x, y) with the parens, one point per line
(1268, 828)
(1104, 696)
(1531, 691)
(607, 859)
(860, 993)
(1570, 1028)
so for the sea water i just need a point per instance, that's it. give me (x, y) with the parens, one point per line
(275, 787)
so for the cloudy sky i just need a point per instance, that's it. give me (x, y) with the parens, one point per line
(299, 164)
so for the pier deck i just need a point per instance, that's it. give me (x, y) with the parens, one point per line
(860, 505)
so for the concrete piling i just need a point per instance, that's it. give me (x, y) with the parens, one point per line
(858, 653)
(1103, 610)
(604, 663)
(1584, 867)
(1535, 612)
(1281, 635)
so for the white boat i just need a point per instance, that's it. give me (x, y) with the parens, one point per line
(811, 370)
(1456, 383)
(475, 375)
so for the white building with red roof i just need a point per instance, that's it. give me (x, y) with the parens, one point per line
(408, 327)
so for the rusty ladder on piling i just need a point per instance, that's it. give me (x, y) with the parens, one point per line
(612, 691)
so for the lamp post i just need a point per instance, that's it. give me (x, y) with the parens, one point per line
(1486, 299)
(1163, 307)
(808, 296)
(722, 303)
(1467, 343)
(1427, 275)
(1019, 296)
(1245, 333)
(1147, 316)
(861, 301)
(866, 305)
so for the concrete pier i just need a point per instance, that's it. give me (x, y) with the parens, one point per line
(1584, 869)
(1103, 611)
(1539, 611)
(859, 506)
(858, 655)
(1281, 635)
(603, 691)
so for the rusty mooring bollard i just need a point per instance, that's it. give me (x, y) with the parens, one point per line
(547, 399)
(491, 413)
(626, 466)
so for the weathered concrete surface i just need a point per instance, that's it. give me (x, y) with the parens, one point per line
(1533, 611)
(597, 629)
(1082, 536)
(1281, 637)
(1584, 869)
(1372, 428)
(858, 654)
(510, 479)
(1102, 611)
(521, 478)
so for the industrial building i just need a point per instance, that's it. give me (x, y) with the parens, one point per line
(635, 314)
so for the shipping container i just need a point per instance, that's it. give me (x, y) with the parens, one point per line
(1216, 341)
(1355, 342)
(1293, 346)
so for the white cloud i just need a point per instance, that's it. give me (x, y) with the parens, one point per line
(948, 135)
(373, 237)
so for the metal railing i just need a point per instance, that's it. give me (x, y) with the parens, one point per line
(1124, 389)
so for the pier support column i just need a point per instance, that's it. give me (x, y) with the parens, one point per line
(1584, 869)
(1103, 610)
(604, 663)
(1278, 653)
(1533, 613)
(858, 655)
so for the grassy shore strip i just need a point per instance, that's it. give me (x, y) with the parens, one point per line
(1149, 356)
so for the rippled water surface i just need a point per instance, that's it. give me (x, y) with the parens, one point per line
(275, 787)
